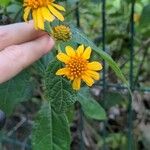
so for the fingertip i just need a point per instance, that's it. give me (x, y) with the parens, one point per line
(49, 44)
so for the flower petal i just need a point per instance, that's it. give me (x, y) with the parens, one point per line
(56, 13)
(47, 14)
(95, 75)
(40, 19)
(26, 13)
(87, 53)
(70, 51)
(94, 65)
(88, 80)
(63, 57)
(80, 50)
(76, 83)
(70, 77)
(34, 14)
(62, 71)
(59, 7)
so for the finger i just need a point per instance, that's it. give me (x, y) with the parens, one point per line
(17, 33)
(15, 58)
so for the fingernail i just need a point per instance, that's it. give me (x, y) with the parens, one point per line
(49, 45)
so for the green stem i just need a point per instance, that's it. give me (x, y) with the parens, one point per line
(58, 47)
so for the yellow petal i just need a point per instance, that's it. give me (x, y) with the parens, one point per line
(88, 80)
(76, 83)
(26, 13)
(63, 57)
(70, 51)
(56, 13)
(87, 53)
(59, 7)
(47, 14)
(62, 71)
(94, 65)
(40, 19)
(70, 77)
(93, 74)
(34, 14)
(24, 5)
(80, 50)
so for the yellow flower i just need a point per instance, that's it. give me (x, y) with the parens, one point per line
(42, 10)
(77, 66)
(61, 33)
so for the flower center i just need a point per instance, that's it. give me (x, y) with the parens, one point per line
(77, 66)
(34, 4)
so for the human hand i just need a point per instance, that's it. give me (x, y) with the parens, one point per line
(20, 46)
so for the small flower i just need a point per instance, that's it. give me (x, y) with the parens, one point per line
(61, 33)
(42, 10)
(77, 66)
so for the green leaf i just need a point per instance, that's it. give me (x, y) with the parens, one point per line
(70, 114)
(41, 65)
(47, 27)
(145, 21)
(14, 91)
(80, 38)
(90, 106)
(51, 131)
(113, 99)
(115, 141)
(15, 11)
(4, 3)
(72, 2)
(58, 89)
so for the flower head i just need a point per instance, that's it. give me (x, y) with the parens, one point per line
(42, 10)
(61, 33)
(77, 66)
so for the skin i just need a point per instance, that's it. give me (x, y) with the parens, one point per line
(20, 46)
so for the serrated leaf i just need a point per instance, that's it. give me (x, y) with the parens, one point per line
(58, 89)
(41, 65)
(90, 106)
(80, 38)
(14, 91)
(51, 131)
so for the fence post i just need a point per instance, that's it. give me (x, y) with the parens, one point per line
(104, 65)
(131, 79)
